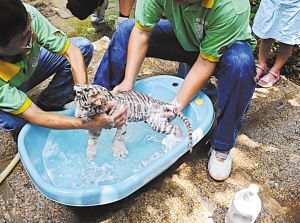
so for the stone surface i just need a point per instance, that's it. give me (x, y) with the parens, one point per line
(266, 153)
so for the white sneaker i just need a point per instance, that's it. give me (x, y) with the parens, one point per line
(219, 164)
(119, 20)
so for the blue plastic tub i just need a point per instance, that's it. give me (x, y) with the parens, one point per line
(56, 160)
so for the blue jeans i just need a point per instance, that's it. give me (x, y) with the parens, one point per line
(235, 73)
(60, 89)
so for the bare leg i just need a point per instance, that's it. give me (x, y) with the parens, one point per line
(264, 50)
(263, 54)
(283, 55)
(126, 7)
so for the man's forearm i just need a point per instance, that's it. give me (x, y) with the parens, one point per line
(137, 49)
(198, 75)
(57, 121)
(78, 68)
(36, 116)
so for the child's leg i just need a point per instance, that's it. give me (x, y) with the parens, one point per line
(283, 55)
(273, 76)
(264, 50)
(263, 54)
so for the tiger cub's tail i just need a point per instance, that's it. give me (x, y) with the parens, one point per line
(188, 125)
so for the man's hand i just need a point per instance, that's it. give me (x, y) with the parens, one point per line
(105, 121)
(137, 49)
(123, 86)
(170, 114)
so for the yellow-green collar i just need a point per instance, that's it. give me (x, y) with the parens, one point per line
(8, 70)
(208, 3)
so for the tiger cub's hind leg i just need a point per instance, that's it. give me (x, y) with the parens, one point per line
(92, 143)
(161, 124)
(118, 146)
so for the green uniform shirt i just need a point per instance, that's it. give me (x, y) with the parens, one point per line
(12, 76)
(210, 26)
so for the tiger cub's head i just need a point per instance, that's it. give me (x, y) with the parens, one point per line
(91, 100)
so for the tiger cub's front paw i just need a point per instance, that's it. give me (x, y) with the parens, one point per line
(119, 150)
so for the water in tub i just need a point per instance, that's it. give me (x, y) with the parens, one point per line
(66, 164)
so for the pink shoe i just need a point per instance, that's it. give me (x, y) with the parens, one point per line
(260, 71)
(267, 81)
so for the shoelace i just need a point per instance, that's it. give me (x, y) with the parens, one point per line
(221, 156)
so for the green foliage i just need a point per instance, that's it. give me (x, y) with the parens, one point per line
(86, 29)
(254, 6)
(110, 21)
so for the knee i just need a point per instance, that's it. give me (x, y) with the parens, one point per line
(241, 59)
(126, 26)
(85, 46)
(124, 30)
(121, 36)
(244, 61)
(245, 65)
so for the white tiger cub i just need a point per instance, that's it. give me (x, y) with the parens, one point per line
(91, 100)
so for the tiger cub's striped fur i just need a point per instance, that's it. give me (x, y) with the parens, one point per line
(91, 100)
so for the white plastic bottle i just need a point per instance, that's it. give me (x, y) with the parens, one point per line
(245, 206)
